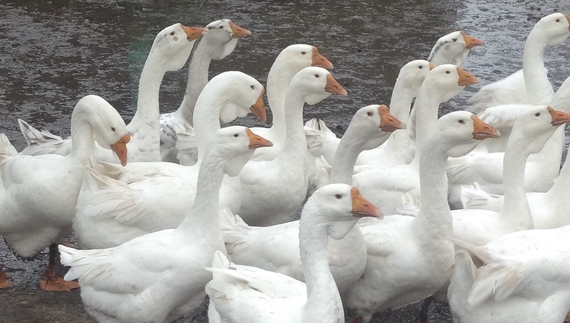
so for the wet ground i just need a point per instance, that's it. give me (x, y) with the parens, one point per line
(54, 52)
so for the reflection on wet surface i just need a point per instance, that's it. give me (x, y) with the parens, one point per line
(55, 52)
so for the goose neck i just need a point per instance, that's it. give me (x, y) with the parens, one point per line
(278, 80)
(295, 142)
(538, 87)
(426, 109)
(82, 138)
(200, 59)
(206, 119)
(148, 96)
(345, 157)
(400, 104)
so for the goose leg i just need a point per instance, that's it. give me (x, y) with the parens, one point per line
(4, 283)
(50, 280)
(423, 317)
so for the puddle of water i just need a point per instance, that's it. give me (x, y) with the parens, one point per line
(54, 52)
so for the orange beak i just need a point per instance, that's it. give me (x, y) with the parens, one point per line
(120, 148)
(334, 87)
(481, 130)
(239, 32)
(361, 207)
(558, 117)
(320, 61)
(256, 141)
(568, 18)
(193, 33)
(470, 41)
(465, 78)
(431, 66)
(388, 122)
(258, 108)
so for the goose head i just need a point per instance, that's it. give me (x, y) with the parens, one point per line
(414, 73)
(315, 84)
(237, 144)
(555, 28)
(453, 48)
(461, 132)
(447, 80)
(176, 43)
(338, 207)
(241, 93)
(374, 124)
(298, 56)
(224, 34)
(109, 129)
(536, 125)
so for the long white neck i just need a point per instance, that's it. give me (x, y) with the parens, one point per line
(323, 297)
(202, 219)
(426, 109)
(207, 119)
(278, 81)
(350, 146)
(82, 138)
(295, 147)
(400, 103)
(434, 219)
(200, 59)
(538, 87)
(516, 209)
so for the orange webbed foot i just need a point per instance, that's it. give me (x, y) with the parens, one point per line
(57, 284)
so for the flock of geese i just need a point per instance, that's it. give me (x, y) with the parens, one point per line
(204, 210)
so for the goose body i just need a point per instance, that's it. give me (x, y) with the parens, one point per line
(38, 194)
(146, 279)
(249, 294)
(121, 204)
(219, 42)
(169, 52)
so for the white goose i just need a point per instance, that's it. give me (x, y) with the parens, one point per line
(543, 167)
(148, 197)
(530, 133)
(453, 48)
(386, 186)
(289, 62)
(397, 149)
(169, 52)
(524, 278)
(249, 294)
(219, 42)
(272, 191)
(146, 279)
(410, 258)
(253, 246)
(38, 194)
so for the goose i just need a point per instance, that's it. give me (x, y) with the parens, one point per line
(386, 186)
(453, 48)
(249, 294)
(219, 42)
(530, 133)
(117, 205)
(543, 166)
(524, 276)
(289, 62)
(548, 209)
(38, 193)
(279, 185)
(409, 258)
(397, 148)
(169, 52)
(245, 245)
(146, 279)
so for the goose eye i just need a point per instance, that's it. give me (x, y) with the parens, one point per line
(461, 121)
(113, 129)
(557, 20)
(317, 75)
(338, 196)
(537, 114)
(420, 67)
(454, 39)
(303, 53)
(221, 27)
(236, 135)
(252, 87)
(447, 72)
(172, 33)
(369, 113)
